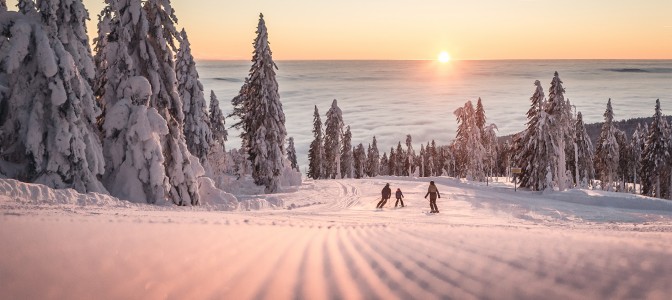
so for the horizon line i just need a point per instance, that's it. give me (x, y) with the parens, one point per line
(452, 60)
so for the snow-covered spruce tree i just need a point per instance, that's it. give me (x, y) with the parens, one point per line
(240, 109)
(217, 158)
(427, 161)
(469, 142)
(114, 64)
(147, 31)
(624, 154)
(160, 70)
(570, 151)
(421, 164)
(392, 163)
(105, 18)
(316, 152)
(48, 130)
(114, 69)
(461, 137)
(384, 165)
(490, 145)
(217, 120)
(637, 143)
(667, 189)
(433, 158)
(444, 158)
(196, 120)
(401, 161)
(480, 118)
(584, 154)
(526, 146)
(240, 165)
(347, 162)
(656, 156)
(374, 159)
(359, 155)
(410, 153)
(4, 51)
(558, 126)
(69, 18)
(367, 165)
(291, 154)
(333, 136)
(263, 118)
(606, 152)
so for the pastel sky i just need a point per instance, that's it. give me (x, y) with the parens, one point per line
(421, 29)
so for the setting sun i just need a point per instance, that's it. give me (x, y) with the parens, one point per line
(444, 57)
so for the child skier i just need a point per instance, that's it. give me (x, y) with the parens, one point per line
(399, 195)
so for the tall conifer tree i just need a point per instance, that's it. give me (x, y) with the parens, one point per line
(141, 42)
(374, 159)
(607, 150)
(291, 154)
(196, 120)
(585, 153)
(656, 156)
(527, 152)
(316, 152)
(558, 124)
(263, 118)
(333, 136)
(347, 163)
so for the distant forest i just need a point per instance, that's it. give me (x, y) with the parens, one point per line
(628, 126)
(594, 129)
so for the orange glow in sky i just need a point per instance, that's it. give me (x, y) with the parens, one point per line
(399, 29)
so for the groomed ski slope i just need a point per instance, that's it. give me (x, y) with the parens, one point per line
(487, 242)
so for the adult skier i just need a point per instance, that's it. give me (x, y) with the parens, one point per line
(433, 192)
(386, 194)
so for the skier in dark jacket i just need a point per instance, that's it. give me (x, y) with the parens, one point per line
(386, 194)
(399, 195)
(432, 191)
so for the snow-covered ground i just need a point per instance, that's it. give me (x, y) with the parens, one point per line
(487, 242)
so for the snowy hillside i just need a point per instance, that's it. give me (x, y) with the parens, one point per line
(330, 242)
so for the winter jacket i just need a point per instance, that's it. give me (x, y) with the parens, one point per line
(399, 195)
(387, 192)
(432, 191)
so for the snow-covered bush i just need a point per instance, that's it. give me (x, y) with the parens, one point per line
(133, 133)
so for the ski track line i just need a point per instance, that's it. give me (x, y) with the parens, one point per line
(467, 258)
(278, 271)
(259, 260)
(350, 195)
(373, 243)
(437, 265)
(337, 271)
(573, 273)
(378, 265)
(441, 254)
(286, 269)
(409, 265)
(315, 286)
(369, 282)
(496, 268)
